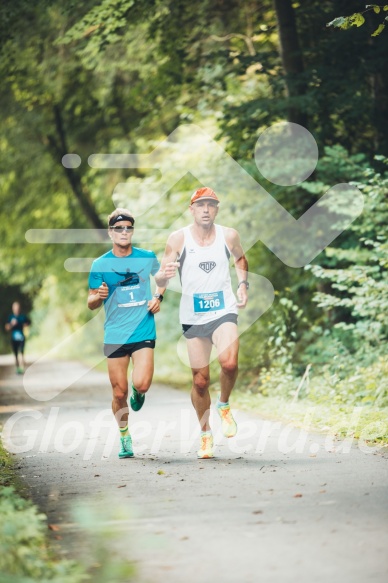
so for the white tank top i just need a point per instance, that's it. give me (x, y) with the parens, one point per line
(205, 277)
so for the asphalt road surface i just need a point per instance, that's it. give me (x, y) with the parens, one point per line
(276, 505)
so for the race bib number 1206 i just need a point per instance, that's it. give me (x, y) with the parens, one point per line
(208, 302)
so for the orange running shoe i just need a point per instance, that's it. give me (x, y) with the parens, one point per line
(206, 450)
(228, 424)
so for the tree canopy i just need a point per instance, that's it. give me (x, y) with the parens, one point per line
(118, 76)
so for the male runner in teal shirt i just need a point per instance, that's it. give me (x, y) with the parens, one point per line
(120, 279)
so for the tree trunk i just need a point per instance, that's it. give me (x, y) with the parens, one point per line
(380, 113)
(292, 59)
(59, 148)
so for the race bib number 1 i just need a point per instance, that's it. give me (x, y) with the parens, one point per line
(130, 296)
(208, 302)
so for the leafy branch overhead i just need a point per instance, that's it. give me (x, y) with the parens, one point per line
(358, 19)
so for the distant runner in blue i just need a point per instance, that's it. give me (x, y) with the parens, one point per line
(16, 324)
(120, 279)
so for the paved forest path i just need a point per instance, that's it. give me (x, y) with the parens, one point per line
(276, 505)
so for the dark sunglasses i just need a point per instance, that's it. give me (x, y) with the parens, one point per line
(121, 229)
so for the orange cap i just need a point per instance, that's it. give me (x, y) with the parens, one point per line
(204, 193)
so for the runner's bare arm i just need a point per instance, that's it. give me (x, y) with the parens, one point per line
(169, 263)
(233, 241)
(97, 296)
(154, 304)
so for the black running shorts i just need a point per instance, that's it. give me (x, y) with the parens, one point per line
(119, 350)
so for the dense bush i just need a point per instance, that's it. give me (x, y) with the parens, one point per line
(346, 338)
(24, 554)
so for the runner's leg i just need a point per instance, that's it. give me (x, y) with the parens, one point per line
(15, 350)
(199, 350)
(118, 371)
(225, 339)
(22, 345)
(143, 369)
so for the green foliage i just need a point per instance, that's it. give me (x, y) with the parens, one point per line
(283, 329)
(357, 19)
(24, 554)
(358, 293)
(109, 18)
(105, 552)
(368, 424)
(336, 98)
(365, 385)
(345, 339)
(118, 76)
(6, 468)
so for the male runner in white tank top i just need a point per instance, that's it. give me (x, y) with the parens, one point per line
(208, 308)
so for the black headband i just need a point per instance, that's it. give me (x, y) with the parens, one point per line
(114, 220)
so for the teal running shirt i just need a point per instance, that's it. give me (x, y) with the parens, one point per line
(127, 318)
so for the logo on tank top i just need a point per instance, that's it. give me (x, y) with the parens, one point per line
(207, 266)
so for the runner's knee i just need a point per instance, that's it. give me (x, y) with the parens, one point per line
(143, 385)
(229, 366)
(201, 383)
(120, 392)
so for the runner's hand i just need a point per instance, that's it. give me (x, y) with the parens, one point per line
(242, 295)
(154, 305)
(103, 291)
(170, 270)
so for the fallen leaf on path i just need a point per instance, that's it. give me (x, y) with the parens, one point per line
(160, 472)
(122, 486)
(96, 475)
(53, 527)
(257, 512)
(298, 495)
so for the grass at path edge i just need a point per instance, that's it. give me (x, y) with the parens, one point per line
(26, 555)
(368, 425)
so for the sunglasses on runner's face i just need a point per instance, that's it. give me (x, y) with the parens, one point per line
(121, 229)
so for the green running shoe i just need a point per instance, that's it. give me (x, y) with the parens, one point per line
(126, 447)
(136, 400)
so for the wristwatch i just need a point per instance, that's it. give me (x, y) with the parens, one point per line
(159, 297)
(244, 281)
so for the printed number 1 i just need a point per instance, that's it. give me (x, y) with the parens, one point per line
(131, 295)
